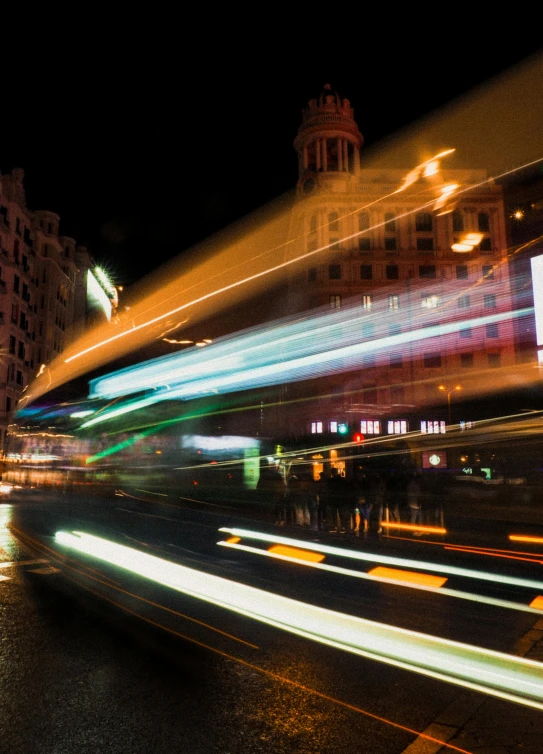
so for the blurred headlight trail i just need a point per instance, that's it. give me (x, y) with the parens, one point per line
(512, 678)
(389, 560)
(394, 576)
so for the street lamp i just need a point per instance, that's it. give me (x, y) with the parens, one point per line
(449, 393)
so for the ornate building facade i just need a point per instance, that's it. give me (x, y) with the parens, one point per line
(411, 265)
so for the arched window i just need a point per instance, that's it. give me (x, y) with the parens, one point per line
(333, 221)
(313, 223)
(363, 221)
(390, 222)
(423, 222)
(457, 221)
(483, 222)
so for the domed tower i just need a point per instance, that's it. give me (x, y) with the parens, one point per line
(328, 144)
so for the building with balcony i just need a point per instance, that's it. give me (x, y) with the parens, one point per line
(416, 260)
(43, 292)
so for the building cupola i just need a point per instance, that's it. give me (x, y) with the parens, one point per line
(328, 144)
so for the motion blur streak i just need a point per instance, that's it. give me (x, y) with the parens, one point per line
(405, 563)
(414, 527)
(512, 678)
(487, 551)
(538, 602)
(395, 579)
(520, 538)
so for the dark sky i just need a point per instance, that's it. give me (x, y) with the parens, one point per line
(146, 147)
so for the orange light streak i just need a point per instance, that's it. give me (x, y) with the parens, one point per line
(537, 603)
(414, 527)
(522, 538)
(490, 553)
(410, 577)
(295, 552)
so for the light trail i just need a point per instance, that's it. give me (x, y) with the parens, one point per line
(511, 678)
(388, 559)
(412, 580)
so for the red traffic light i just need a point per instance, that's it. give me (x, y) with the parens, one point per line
(358, 437)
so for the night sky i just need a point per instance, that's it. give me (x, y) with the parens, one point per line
(147, 149)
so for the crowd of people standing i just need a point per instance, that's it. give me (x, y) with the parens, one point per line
(366, 502)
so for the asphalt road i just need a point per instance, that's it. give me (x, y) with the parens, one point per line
(95, 658)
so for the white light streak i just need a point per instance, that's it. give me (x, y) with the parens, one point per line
(512, 678)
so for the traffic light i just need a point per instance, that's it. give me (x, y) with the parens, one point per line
(358, 437)
(342, 428)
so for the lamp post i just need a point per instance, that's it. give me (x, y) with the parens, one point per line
(445, 389)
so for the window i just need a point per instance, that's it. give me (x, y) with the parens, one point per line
(425, 244)
(370, 427)
(397, 427)
(367, 301)
(396, 360)
(457, 222)
(490, 300)
(312, 243)
(363, 221)
(11, 372)
(461, 272)
(366, 272)
(466, 359)
(8, 403)
(488, 271)
(335, 301)
(368, 330)
(423, 222)
(334, 244)
(397, 394)
(19, 378)
(334, 271)
(465, 332)
(333, 222)
(432, 360)
(368, 361)
(392, 272)
(494, 359)
(316, 428)
(394, 329)
(313, 224)
(427, 270)
(483, 222)
(486, 244)
(492, 330)
(390, 243)
(16, 283)
(14, 313)
(390, 222)
(12, 342)
(393, 302)
(364, 244)
(463, 302)
(312, 274)
(429, 302)
(21, 350)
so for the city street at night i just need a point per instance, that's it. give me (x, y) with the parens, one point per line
(110, 659)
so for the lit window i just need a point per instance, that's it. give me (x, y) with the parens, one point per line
(335, 301)
(429, 302)
(393, 302)
(397, 427)
(333, 426)
(370, 427)
(367, 301)
(316, 428)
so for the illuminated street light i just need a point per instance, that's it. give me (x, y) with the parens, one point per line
(449, 393)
